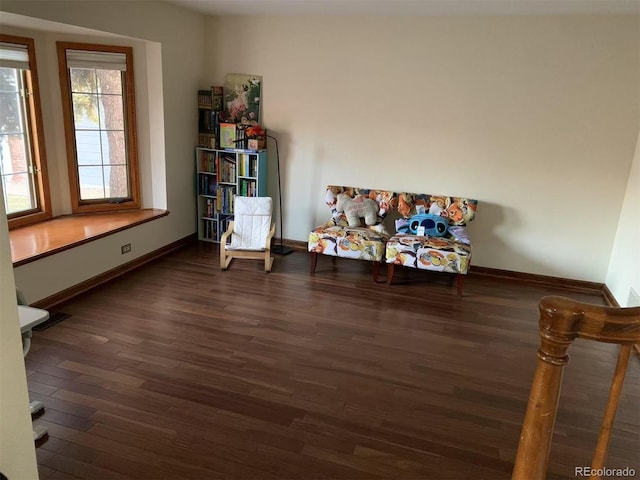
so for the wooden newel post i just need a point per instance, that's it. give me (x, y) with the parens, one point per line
(557, 332)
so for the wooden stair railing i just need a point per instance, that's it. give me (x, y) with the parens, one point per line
(562, 321)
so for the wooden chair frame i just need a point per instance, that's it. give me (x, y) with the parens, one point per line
(562, 321)
(313, 262)
(459, 277)
(227, 255)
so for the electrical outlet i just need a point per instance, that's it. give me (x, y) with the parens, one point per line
(125, 248)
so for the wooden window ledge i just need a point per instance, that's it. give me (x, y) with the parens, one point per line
(36, 241)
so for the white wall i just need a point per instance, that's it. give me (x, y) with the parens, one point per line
(537, 117)
(623, 278)
(163, 36)
(17, 451)
(534, 116)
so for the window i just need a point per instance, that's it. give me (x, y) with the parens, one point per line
(22, 156)
(100, 129)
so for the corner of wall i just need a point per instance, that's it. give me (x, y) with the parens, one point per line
(623, 275)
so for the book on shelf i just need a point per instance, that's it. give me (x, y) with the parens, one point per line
(247, 188)
(217, 98)
(219, 200)
(207, 161)
(241, 137)
(209, 229)
(224, 200)
(212, 99)
(242, 165)
(227, 167)
(233, 137)
(205, 99)
(212, 187)
(204, 120)
(228, 135)
(242, 150)
(209, 114)
(203, 185)
(247, 164)
(207, 140)
(210, 208)
(208, 185)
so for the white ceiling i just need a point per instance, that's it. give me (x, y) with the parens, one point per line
(410, 7)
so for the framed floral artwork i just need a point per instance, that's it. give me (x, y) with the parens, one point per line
(242, 97)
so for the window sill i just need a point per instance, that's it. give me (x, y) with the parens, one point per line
(40, 240)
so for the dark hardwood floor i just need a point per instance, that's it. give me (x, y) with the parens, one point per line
(180, 371)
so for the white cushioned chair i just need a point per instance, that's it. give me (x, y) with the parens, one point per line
(251, 232)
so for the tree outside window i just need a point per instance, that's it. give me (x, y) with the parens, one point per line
(100, 126)
(22, 157)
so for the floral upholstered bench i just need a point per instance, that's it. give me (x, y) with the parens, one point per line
(424, 242)
(355, 229)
